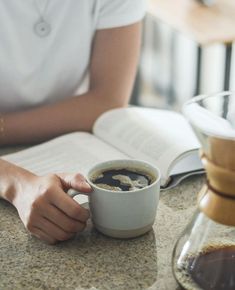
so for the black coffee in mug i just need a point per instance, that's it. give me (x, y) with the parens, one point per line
(122, 179)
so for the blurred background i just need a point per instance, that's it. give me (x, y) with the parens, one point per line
(187, 50)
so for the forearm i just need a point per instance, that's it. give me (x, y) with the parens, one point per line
(74, 114)
(11, 177)
(44, 208)
(112, 71)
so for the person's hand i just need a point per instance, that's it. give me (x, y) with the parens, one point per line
(47, 211)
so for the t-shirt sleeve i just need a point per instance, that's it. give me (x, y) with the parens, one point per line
(115, 13)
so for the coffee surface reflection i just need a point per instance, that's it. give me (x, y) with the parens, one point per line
(122, 179)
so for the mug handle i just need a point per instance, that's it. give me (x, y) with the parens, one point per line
(72, 193)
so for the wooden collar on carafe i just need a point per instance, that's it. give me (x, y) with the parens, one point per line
(217, 199)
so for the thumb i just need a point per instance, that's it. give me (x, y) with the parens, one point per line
(75, 181)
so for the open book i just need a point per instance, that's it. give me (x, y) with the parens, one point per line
(160, 137)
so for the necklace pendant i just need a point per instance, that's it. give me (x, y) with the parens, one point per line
(42, 28)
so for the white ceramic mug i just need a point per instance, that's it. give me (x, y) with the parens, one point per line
(124, 214)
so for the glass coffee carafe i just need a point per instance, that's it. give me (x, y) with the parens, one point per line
(204, 255)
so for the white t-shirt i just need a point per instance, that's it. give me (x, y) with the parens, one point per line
(38, 70)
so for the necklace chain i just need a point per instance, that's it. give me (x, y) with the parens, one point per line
(42, 28)
(40, 11)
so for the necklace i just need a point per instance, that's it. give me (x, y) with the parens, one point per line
(41, 28)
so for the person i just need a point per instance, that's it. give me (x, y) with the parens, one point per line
(62, 64)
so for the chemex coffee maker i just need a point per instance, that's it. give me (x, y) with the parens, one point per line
(204, 255)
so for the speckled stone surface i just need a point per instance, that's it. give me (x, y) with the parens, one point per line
(93, 261)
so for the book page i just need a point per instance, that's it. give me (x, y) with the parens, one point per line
(75, 152)
(156, 136)
(190, 162)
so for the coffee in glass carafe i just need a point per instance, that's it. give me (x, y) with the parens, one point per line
(204, 255)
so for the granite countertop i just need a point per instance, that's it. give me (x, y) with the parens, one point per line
(92, 260)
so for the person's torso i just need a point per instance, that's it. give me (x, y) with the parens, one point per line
(36, 70)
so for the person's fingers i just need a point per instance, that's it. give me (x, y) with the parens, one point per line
(69, 206)
(75, 181)
(40, 234)
(53, 230)
(66, 223)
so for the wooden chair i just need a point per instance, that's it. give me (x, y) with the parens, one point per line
(204, 25)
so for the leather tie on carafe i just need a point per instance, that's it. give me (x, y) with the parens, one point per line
(217, 197)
